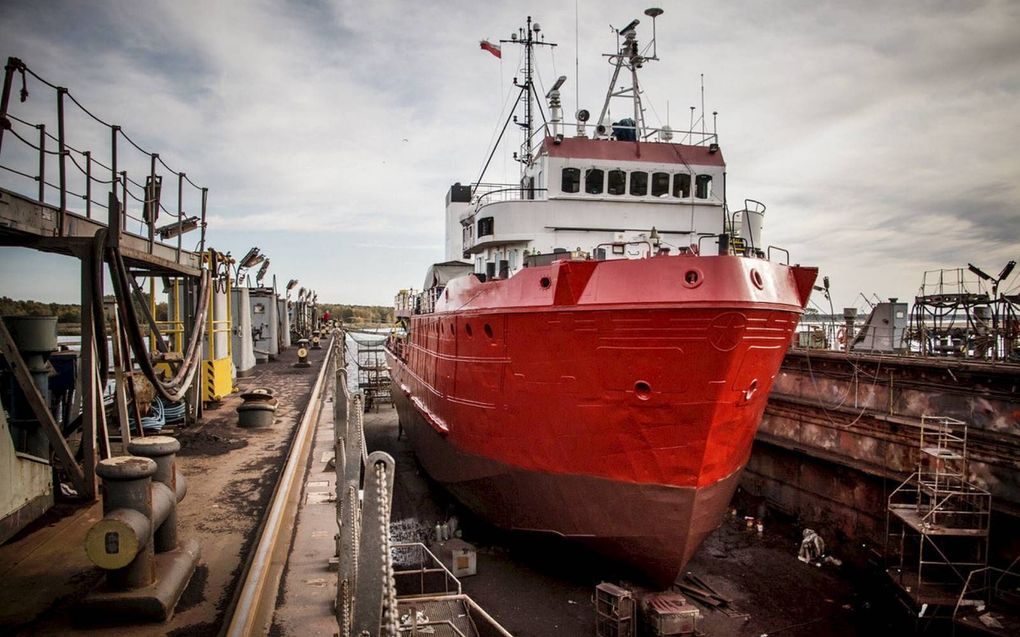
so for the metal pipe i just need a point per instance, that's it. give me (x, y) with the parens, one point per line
(113, 157)
(180, 212)
(205, 197)
(151, 201)
(123, 206)
(471, 605)
(88, 184)
(13, 64)
(61, 91)
(42, 162)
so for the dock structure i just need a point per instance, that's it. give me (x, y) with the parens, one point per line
(85, 211)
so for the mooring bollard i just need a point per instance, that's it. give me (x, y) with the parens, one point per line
(120, 542)
(136, 541)
(257, 410)
(168, 487)
(302, 354)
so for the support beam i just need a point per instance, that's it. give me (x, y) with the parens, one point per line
(120, 378)
(90, 484)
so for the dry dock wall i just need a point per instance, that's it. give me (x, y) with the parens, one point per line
(841, 431)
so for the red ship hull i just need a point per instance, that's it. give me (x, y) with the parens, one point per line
(614, 402)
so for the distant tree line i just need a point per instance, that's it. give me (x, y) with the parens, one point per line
(359, 314)
(68, 314)
(65, 312)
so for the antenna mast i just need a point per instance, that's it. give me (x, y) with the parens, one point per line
(630, 58)
(529, 38)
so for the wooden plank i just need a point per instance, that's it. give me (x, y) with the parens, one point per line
(39, 408)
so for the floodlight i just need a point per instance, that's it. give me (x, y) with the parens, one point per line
(177, 228)
(251, 259)
(262, 271)
(978, 271)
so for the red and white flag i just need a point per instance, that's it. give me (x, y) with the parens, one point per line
(492, 48)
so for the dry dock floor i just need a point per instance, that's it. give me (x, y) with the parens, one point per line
(538, 587)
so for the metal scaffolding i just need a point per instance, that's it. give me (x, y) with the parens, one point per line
(937, 521)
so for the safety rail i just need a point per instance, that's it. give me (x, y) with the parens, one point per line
(372, 596)
(989, 588)
(415, 559)
(13, 160)
(514, 193)
(606, 131)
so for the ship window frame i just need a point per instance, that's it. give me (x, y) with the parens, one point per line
(655, 188)
(678, 185)
(486, 223)
(574, 180)
(703, 186)
(640, 176)
(618, 188)
(589, 173)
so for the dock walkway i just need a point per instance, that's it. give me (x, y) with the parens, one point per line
(231, 475)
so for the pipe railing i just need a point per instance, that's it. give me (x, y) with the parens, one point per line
(85, 162)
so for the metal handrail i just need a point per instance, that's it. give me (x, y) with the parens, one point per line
(481, 202)
(65, 151)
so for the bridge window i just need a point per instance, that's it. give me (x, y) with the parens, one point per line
(594, 181)
(682, 185)
(639, 183)
(485, 226)
(703, 186)
(617, 182)
(660, 184)
(570, 180)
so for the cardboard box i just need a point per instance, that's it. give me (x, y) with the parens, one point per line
(460, 557)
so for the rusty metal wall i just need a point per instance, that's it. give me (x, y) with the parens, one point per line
(841, 431)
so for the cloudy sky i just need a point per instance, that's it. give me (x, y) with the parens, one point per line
(883, 136)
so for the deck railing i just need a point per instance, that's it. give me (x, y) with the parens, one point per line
(30, 152)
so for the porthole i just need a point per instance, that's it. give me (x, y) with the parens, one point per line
(467, 328)
(488, 330)
(545, 282)
(757, 280)
(642, 390)
(693, 278)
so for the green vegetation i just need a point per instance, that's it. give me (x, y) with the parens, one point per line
(359, 314)
(68, 314)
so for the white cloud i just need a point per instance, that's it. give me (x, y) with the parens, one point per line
(882, 136)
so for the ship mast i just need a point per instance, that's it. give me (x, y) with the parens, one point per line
(529, 38)
(628, 57)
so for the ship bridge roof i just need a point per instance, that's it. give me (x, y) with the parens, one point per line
(653, 152)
